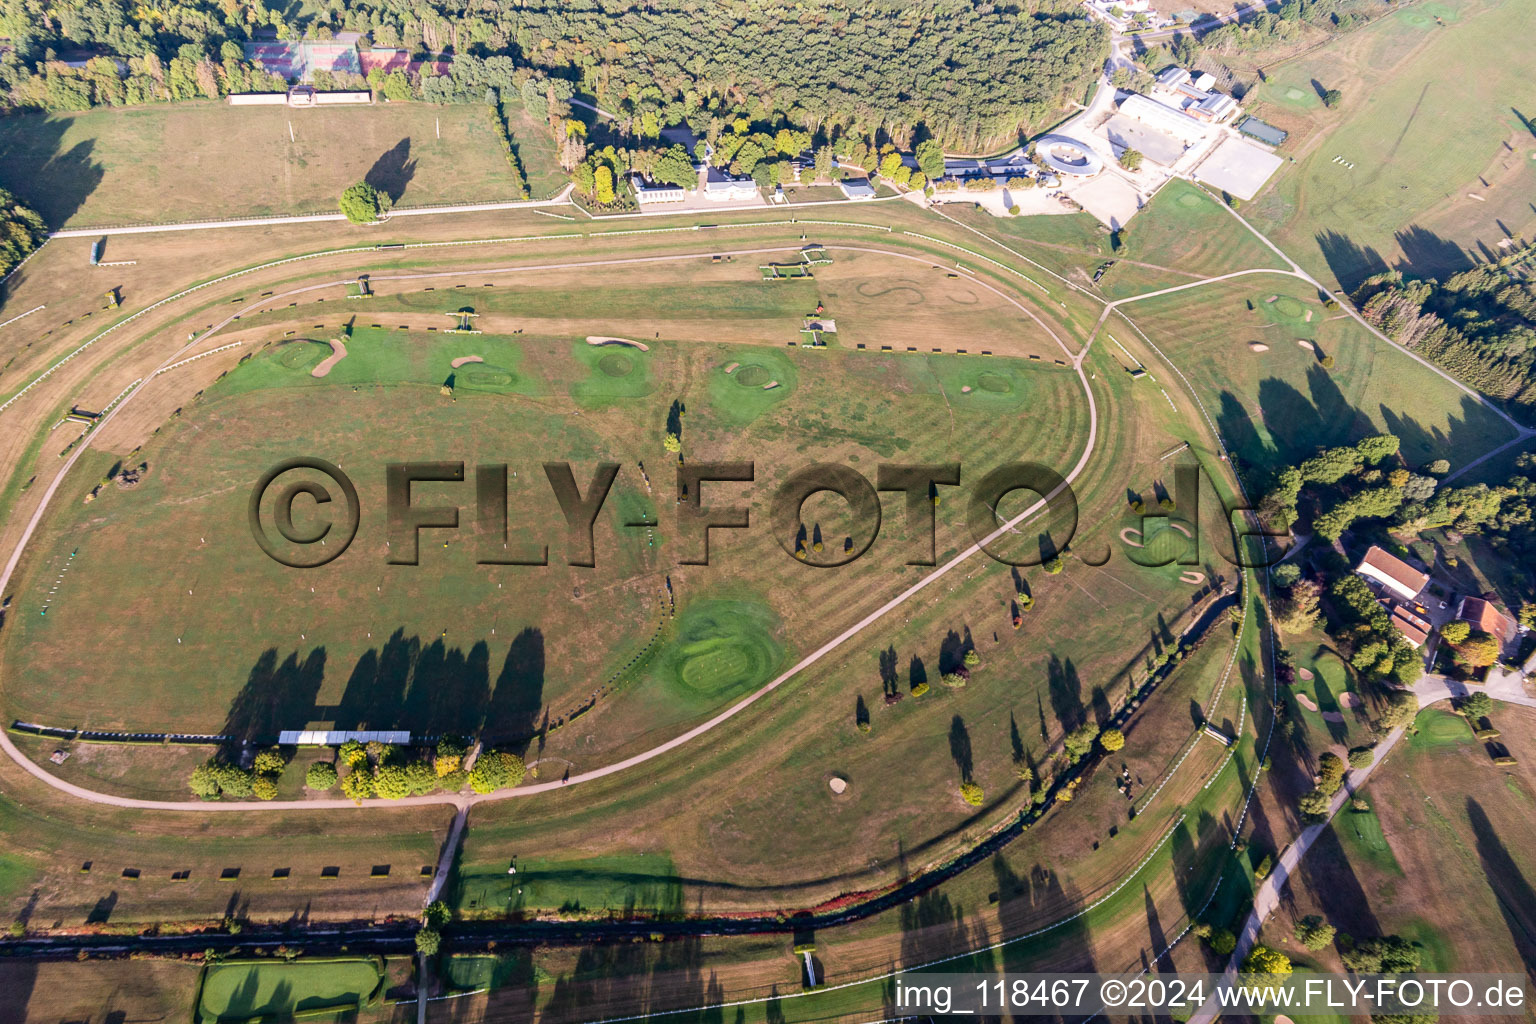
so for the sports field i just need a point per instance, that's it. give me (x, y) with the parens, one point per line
(1412, 170)
(196, 161)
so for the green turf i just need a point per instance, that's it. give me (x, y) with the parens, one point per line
(614, 372)
(1184, 228)
(389, 357)
(740, 396)
(243, 990)
(722, 649)
(638, 881)
(1360, 835)
(1439, 728)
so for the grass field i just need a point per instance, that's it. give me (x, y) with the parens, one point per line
(192, 161)
(246, 990)
(1277, 406)
(1420, 148)
(1184, 228)
(1447, 867)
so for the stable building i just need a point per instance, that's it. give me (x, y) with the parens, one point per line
(1392, 575)
(1480, 613)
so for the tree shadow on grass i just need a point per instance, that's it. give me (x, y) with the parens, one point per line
(1517, 899)
(38, 171)
(393, 170)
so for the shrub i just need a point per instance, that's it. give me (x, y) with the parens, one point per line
(919, 689)
(1166, 504)
(1362, 757)
(1456, 632)
(1080, 740)
(352, 753)
(1286, 574)
(1313, 806)
(1265, 867)
(1112, 740)
(1477, 705)
(453, 781)
(204, 782)
(321, 777)
(1327, 362)
(363, 204)
(1026, 602)
(268, 762)
(1330, 772)
(972, 659)
(864, 727)
(496, 769)
(389, 781)
(954, 680)
(1263, 960)
(428, 941)
(1130, 159)
(1014, 209)
(1221, 941)
(357, 786)
(971, 793)
(1054, 565)
(1314, 933)
(263, 788)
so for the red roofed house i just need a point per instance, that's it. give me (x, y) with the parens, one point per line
(1398, 577)
(1414, 629)
(1485, 615)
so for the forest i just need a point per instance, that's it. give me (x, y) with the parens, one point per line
(969, 73)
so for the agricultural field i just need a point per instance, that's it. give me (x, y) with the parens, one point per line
(192, 161)
(1446, 867)
(1410, 170)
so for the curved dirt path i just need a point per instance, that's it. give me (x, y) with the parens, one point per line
(461, 800)
(338, 353)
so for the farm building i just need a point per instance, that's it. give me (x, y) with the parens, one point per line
(1414, 628)
(1483, 614)
(1392, 574)
(857, 188)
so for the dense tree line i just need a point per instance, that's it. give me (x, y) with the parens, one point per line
(21, 231)
(965, 71)
(1479, 324)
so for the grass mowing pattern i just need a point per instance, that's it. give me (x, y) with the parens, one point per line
(242, 991)
(636, 881)
(385, 357)
(1183, 227)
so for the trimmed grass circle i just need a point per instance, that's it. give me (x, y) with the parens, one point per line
(995, 383)
(301, 355)
(486, 376)
(751, 376)
(616, 365)
(1291, 309)
(1295, 95)
(723, 649)
(1191, 200)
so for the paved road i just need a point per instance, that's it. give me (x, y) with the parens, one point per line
(563, 199)
(1429, 690)
(459, 800)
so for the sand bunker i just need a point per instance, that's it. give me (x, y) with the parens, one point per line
(837, 785)
(965, 390)
(1309, 316)
(1129, 532)
(1193, 578)
(593, 339)
(1306, 344)
(732, 368)
(1305, 702)
(770, 385)
(1351, 700)
(1304, 673)
(338, 353)
(463, 360)
(1258, 346)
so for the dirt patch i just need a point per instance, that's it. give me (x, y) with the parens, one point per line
(464, 360)
(593, 339)
(338, 353)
